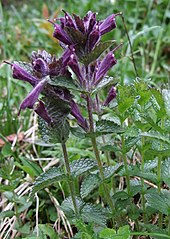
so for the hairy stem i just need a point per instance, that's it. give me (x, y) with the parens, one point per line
(126, 165)
(96, 152)
(143, 184)
(70, 181)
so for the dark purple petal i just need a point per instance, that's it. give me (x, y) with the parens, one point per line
(78, 116)
(105, 65)
(42, 112)
(31, 98)
(93, 38)
(69, 22)
(108, 24)
(79, 23)
(111, 96)
(60, 34)
(90, 21)
(21, 74)
(65, 57)
(40, 66)
(74, 65)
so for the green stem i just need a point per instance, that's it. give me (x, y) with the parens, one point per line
(126, 165)
(169, 225)
(96, 152)
(142, 182)
(70, 181)
(159, 176)
(130, 44)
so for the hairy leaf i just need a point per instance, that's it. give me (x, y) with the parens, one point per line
(111, 170)
(105, 82)
(160, 202)
(68, 207)
(107, 127)
(96, 52)
(45, 179)
(94, 213)
(65, 82)
(166, 171)
(81, 166)
(90, 182)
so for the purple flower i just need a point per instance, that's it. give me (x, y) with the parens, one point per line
(21, 74)
(104, 66)
(74, 65)
(31, 98)
(78, 116)
(84, 33)
(111, 95)
(41, 110)
(108, 24)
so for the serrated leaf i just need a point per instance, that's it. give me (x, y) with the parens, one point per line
(160, 202)
(94, 213)
(125, 98)
(68, 207)
(81, 166)
(150, 164)
(110, 147)
(166, 97)
(111, 170)
(166, 171)
(65, 82)
(96, 52)
(90, 182)
(105, 82)
(45, 179)
(157, 136)
(107, 127)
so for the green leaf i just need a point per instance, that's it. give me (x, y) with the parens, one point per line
(107, 233)
(125, 98)
(96, 52)
(68, 207)
(90, 182)
(160, 202)
(157, 136)
(105, 82)
(65, 82)
(166, 171)
(166, 97)
(110, 147)
(48, 230)
(8, 213)
(107, 127)
(122, 233)
(45, 179)
(81, 166)
(94, 213)
(111, 170)
(30, 167)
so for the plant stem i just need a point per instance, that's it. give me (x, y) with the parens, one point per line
(70, 181)
(126, 165)
(159, 176)
(96, 152)
(130, 44)
(169, 225)
(142, 182)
